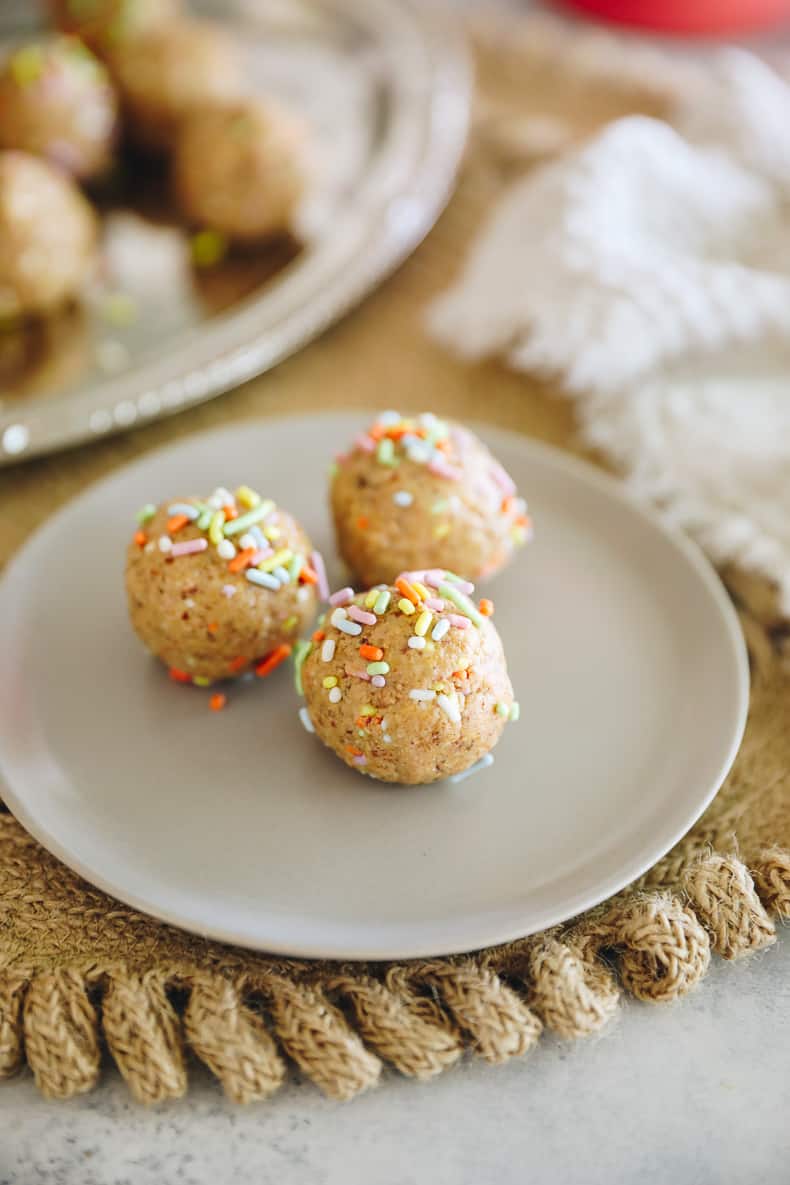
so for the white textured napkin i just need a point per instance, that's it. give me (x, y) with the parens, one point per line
(649, 271)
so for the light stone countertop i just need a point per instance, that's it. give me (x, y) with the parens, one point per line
(696, 1093)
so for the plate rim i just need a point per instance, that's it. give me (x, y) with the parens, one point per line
(478, 938)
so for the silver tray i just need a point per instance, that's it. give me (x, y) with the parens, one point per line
(385, 88)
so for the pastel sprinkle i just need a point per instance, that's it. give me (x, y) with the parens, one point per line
(217, 701)
(304, 716)
(215, 527)
(201, 681)
(484, 762)
(339, 620)
(273, 660)
(435, 603)
(364, 443)
(449, 707)
(341, 597)
(281, 574)
(248, 497)
(262, 554)
(422, 694)
(255, 576)
(453, 593)
(225, 549)
(405, 606)
(515, 711)
(357, 614)
(318, 566)
(378, 668)
(239, 525)
(371, 653)
(272, 533)
(165, 543)
(186, 508)
(440, 629)
(503, 479)
(229, 590)
(460, 623)
(385, 453)
(371, 598)
(360, 759)
(189, 547)
(465, 586)
(290, 623)
(248, 541)
(328, 650)
(441, 530)
(283, 556)
(382, 602)
(335, 695)
(294, 567)
(402, 498)
(378, 681)
(502, 709)
(204, 519)
(145, 513)
(422, 623)
(416, 642)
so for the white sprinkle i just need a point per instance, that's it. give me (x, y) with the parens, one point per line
(339, 620)
(189, 603)
(303, 592)
(335, 695)
(165, 543)
(378, 681)
(225, 496)
(229, 590)
(328, 650)
(450, 707)
(416, 643)
(304, 716)
(482, 764)
(419, 693)
(214, 502)
(225, 549)
(387, 739)
(440, 629)
(265, 579)
(248, 540)
(281, 574)
(403, 498)
(149, 547)
(388, 419)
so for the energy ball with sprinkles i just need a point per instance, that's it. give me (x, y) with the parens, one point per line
(407, 682)
(420, 490)
(221, 585)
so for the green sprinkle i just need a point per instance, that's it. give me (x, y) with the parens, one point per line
(440, 506)
(201, 681)
(295, 567)
(385, 453)
(208, 248)
(515, 711)
(378, 668)
(204, 520)
(27, 65)
(290, 622)
(502, 709)
(215, 526)
(300, 652)
(461, 602)
(145, 513)
(382, 602)
(334, 469)
(368, 710)
(240, 524)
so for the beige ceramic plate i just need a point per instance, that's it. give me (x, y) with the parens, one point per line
(623, 648)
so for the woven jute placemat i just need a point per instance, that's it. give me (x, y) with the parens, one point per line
(80, 973)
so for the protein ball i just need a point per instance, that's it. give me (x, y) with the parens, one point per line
(239, 169)
(56, 101)
(166, 74)
(219, 585)
(407, 683)
(102, 23)
(423, 491)
(48, 236)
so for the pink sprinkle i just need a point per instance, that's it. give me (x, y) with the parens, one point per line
(229, 590)
(341, 458)
(360, 615)
(189, 547)
(433, 579)
(442, 469)
(460, 623)
(503, 480)
(356, 674)
(464, 586)
(435, 603)
(361, 760)
(318, 566)
(365, 443)
(412, 576)
(378, 681)
(341, 597)
(260, 555)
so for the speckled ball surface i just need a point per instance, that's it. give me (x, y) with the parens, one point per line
(102, 23)
(212, 599)
(417, 695)
(417, 491)
(166, 74)
(56, 101)
(239, 169)
(48, 237)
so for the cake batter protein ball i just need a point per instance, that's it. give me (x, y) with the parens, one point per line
(407, 683)
(103, 23)
(56, 101)
(166, 74)
(48, 236)
(239, 169)
(220, 585)
(424, 491)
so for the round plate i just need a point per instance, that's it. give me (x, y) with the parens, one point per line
(384, 86)
(623, 648)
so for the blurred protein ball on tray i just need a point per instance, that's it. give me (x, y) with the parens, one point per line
(102, 23)
(689, 16)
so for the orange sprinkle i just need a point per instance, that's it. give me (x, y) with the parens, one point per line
(238, 663)
(523, 520)
(444, 446)
(376, 432)
(407, 590)
(486, 607)
(353, 750)
(278, 655)
(308, 575)
(217, 701)
(212, 627)
(507, 504)
(318, 635)
(140, 538)
(397, 432)
(176, 523)
(179, 676)
(230, 513)
(371, 653)
(241, 560)
(362, 721)
(363, 522)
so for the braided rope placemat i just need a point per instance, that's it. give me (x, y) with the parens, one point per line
(79, 972)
